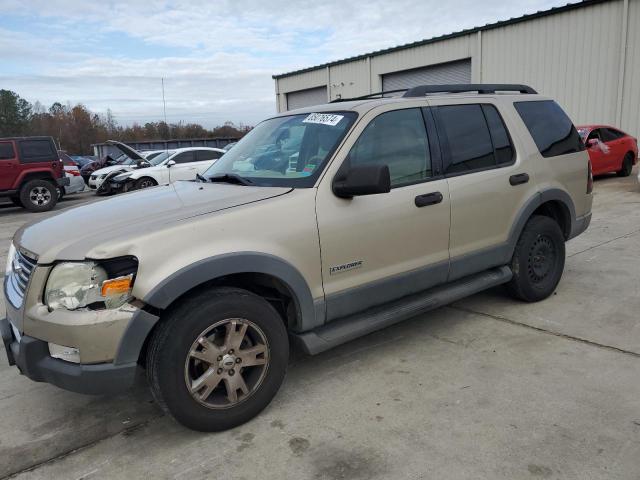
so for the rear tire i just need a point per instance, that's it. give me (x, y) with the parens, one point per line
(538, 260)
(627, 166)
(204, 369)
(145, 182)
(39, 195)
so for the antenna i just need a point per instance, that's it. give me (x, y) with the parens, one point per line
(164, 104)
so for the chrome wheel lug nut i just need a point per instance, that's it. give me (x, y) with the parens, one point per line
(219, 357)
(231, 372)
(219, 371)
(238, 360)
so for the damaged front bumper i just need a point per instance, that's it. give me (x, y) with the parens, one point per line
(108, 343)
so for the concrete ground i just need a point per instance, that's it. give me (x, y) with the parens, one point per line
(487, 388)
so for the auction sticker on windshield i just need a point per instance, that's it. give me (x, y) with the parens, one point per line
(323, 119)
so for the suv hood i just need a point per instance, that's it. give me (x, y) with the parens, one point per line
(71, 234)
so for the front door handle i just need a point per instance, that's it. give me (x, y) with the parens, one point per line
(519, 179)
(428, 199)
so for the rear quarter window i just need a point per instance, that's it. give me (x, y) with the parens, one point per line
(551, 128)
(40, 150)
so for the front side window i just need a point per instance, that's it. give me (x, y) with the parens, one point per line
(6, 151)
(287, 151)
(397, 139)
(551, 128)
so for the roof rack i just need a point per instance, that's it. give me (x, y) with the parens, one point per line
(422, 90)
(482, 88)
(366, 97)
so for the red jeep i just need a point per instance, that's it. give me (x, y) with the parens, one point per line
(31, 172)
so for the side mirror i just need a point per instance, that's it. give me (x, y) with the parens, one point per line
(592, 142)
(362, 180)
(171, 163)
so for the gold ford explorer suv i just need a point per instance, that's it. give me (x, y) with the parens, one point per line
(321, 225)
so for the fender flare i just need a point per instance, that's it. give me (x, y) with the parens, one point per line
(544, 196)
(211, 268)
(189, 277)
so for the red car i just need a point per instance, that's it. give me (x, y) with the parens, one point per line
(610, 149)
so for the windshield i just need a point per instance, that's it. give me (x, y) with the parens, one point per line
(285, 151)
(161, 157)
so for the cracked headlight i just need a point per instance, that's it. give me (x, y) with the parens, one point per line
(73, 285)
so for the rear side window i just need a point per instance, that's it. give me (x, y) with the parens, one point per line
(185, 157)
(610, 134)
(503, 149)
(475, 138)
(34, 151)
(6, 150)
(202, 155)
(551, 128)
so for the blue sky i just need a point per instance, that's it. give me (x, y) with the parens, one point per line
(217, 57)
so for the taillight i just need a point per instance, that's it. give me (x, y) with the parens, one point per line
(75, 173)
(590, 178)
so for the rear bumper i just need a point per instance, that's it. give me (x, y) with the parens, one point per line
(580, 225)
(32, 357)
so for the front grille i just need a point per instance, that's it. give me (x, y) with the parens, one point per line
(18, 279)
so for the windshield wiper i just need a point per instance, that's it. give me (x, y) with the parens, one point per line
(231, 178)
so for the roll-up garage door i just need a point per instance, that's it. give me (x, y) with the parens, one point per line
(306, 98)
(443, 73)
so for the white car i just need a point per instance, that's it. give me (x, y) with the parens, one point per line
(181, 164)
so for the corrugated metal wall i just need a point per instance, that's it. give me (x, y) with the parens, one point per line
(449, 72)
(576, 56)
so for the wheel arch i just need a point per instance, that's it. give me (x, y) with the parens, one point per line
(259, 273)
(554, 203)
(253, 271)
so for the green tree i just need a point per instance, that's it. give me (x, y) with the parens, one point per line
(15, 113)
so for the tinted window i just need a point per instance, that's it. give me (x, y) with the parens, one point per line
(594, 135)
(37, 151)
(185, 157)
(202, 155)
(464, 129)
(6, 150)
(610, 134)
(551, 129)
(399, 140)
(503, 149)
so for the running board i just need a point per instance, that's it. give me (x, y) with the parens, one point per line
(354, 326)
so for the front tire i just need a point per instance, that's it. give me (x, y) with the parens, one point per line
(538, 260)
(39, 195)
(218, 359)
(627, 166)
(145, 182)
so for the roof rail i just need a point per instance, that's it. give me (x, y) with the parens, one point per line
(366, 97)
(482, 88)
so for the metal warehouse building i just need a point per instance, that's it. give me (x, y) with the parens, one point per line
(586, 55)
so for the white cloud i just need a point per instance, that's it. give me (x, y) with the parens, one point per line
(230, 48)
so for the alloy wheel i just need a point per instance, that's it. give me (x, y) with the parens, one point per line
(40, 196)
(227, 363)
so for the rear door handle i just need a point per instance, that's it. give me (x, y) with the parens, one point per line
(519, 179)
(428, 199)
